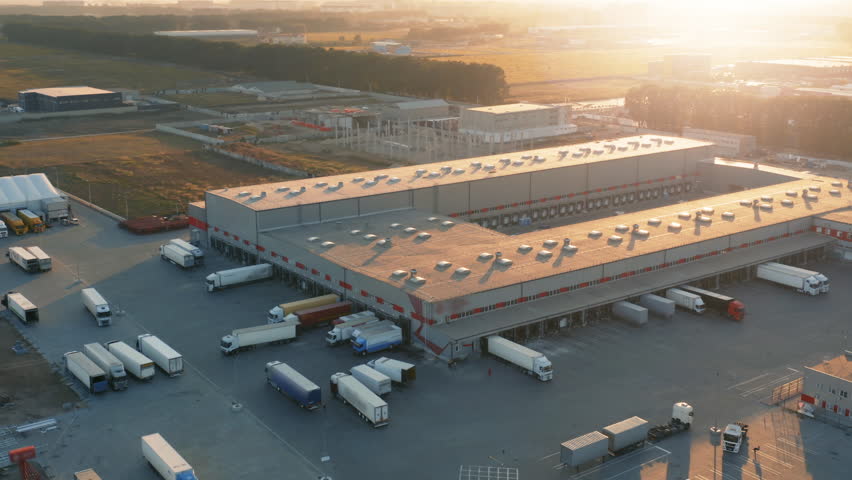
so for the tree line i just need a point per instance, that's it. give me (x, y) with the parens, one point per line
(470, 82)
(818, 124)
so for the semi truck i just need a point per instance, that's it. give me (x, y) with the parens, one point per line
(293, 384)
(238, 276)
(45, 263)
(13, 223)
(824, 283)
(134, 362)
(24, 309)
(109, 363)
(630, 313)
(658, 305)
(31, 220)
(248, 338)
(323, 315)
(734, 436)
(399, 372)
(681, 420)
(4, 231)
(197, 253)
(177, 256)
(85, 370)
(342, 331)
(277, 314)
(376, 337)
(170, 361)
(728, 306)
(369, 406)
(626, 435)
(686, 300)
(164, 459)
(804, 281)
(22, 257)
(528, 360)
(377, 382)
(97, 306)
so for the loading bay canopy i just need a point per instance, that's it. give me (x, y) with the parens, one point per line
(492, 323)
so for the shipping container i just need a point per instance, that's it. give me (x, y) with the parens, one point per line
(584, 449)
(197, 253)
(24, 309)
(85, 370)
(527, 359)
(238, 276)
(399, 372)
(369, 406)
(626, 434)
(45, 263)
(632, 314)
(323, 315)
(31, 220)
(22, 257)
(245, 338)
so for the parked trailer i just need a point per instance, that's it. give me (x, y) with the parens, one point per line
(399, 372)
(658, 305)
(804, 281)
(163, 355)
(134, 362)
(277, 314)
(824, 282)
(728, 306)
(322, 315)
(85, 370)
(686, 300)
(4, 231)
(13, 223)
(376, 337)
(584, 449)
(197, 253)
(633, 314)
(177, 256)
(24, 309)
(97, 306)
(22, 257)
(377, 382)
(369, 406)
(238, 276)
(626, 435)
(288, 381)
(165, 459)
(109, 363)
(342, 331)
(247, 338)
(31, 220)
(528, 360)
(45, 263)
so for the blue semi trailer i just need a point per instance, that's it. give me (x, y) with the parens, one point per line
(288, 381)
(376, 337)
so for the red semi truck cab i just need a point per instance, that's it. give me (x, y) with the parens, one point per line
(736, 310)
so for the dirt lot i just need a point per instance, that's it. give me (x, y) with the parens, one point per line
(571, 91)
(215, 99)
(91, 125)
(316, 158)
(36, 392)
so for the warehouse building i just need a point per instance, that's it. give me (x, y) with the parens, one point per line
(422, 245)
(65, 99)
(33, 192)
(416, 110)
(516, 121)
(837, 225)
(828, 387)
(232, 33)
(727, 144)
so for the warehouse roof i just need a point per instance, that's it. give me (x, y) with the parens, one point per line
(840, 216)
(66, 91)
(420, 241)
(511, 108)
(840, 367)
(437, 102)
(353, 185)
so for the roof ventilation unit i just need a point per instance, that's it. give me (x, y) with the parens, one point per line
(703, 219)
(476, 164)
(518, 163)
(370, 183)
(766, 198)
(539, 158)
(562, 153)
(622, 148)
(485, 256)
(766, 207)
(598, 151)
(787, 202)
(550, 243)
(381, 176)
(835, 192)
(792, 193)
(458, 171)
(462, 271)
(303, 189)
(370, 237)
(745, 203)
(811, 196)
(416, 280)
(446, 169)
(640, 232)
(654, 222)
(577, 154)
(447, 223)
(524, 248)
(595, 234)
(836, 184)
(420, 172)
(684, 215)
(505, 161)
(488, 166)
(424, 235)
(633, 143)
(433, 219)
(354, 232)
(503, 262)
(313, 239)
(244, 194)
(815, 188)
(544, 254)
(443, 265)
(409, 230)
(393, 179)
(357, 179)
(395, 225)
(256, 198)
(646, 145)
(569, 249)
(622, 228)
(434, 174)
(327, 244)
(668, 141)
(728, 215)
(708, 210)
(527, 157)
(282, 189)
(674, 227)
(399, 273)
(615, 239)
(320, 184)
(385, 242)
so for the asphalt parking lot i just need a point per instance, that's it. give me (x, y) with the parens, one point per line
(479, 413)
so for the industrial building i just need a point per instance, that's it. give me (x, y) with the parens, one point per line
(423, 245)
(233, 33)
(819, 67)
(286, 38)
(416, 110)
(686, 66)
(828, 386)
(516, 121)
(65, 99)
(33, 192)
(727, 144)
(838, 225)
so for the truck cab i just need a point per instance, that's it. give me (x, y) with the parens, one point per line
(824, 283)
(733, 437)
(276, 315)
(227, 344)
(4, 232)
(543, 369)
(736, 310)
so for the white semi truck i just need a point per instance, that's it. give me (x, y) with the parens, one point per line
(22, 257)
(21, 307)
(45, 263)
(97, 306)
(398, 372)
(247, 338)
(85, 370)
(686, 300)
(238, 276)
(342, 331)
(165, 459)
(109, 363)
(278, 313)
(377, 382)
(369, 406)
(177, 256)
(163, 355)
(197, 253)
(134, 362)
(528, 360)
(803, 281)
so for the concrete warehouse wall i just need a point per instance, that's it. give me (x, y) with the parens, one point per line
(183, 133)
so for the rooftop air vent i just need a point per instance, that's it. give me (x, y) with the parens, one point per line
(674, 227)
(434, 174)
(792, 193)
(416, 280)
(728, 215)
(787, 202)
(327, 244)
(370, 183)
(577, 154)
(539, 158)
(815, 188)
(446, 169)
(320, 184)
(704, 219)
(622, 148)
(745, 203)
(835, 192)
(836, 184)
(569, 249)
(563, 152)
(370, 237)
(395, 225)
(684, 215)
(550, 243)
(244, 194)
(811, 196)
(503, 262)
(668, 141)
(485, 256)
(505, 161)
(399, 273)
(476, 164)
(282, 189)
(598, 151)
(447, 223)
(313, 239)
(595, 234)
(424, 235)
(766, 207)
(634, 143)
(622, 228)
(409, 230)
(646, 145)
(524, 248)
(433, 219)
(615, 239)
(518, 163)
(766, 198)
(544, 254)
(654, 222)
(458, 171)
(393, 179)
(708, 210)
(255, 198)
(303, 189)
(385, 242)
(462, 271)
(488, 166)
(381, 176)
(357, 179)
(443, 265)
(640, 232)
(354, 232)
(527, 157)
(420, 172)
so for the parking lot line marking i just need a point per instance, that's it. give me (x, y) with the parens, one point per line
(638, 466)
(748, 381)
(766, 385)
(781, 451)
(723, 474)
(750, 461)
(794, 444)
(617, 460)
(792, 369)
(495, 460)
(548, 456)
(763, 455)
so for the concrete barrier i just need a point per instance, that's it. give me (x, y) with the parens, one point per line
(94, 207)
(183, 133)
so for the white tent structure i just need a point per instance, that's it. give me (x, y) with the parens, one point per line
(33, 192)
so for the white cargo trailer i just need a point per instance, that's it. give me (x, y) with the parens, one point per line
(633, 314)
(85, 370)
(377, 382)
(4, 231)
(804, 281)
(528, 360)
(626, 434)
(163, 355)
(177, 256)
(97, 306)
(246, 338)
(109, 363)
(196, 252)
(21, 257)
(21, 307)
(368, 405)
(238, 276)
(399, 372)
(686, 300)
(658, 305)
(342, 331)
(45, 263)
(165, 459)
(134, 362)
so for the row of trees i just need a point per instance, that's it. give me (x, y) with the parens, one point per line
(818, 124)
(479, 83)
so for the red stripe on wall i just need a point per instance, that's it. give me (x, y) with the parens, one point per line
(398, 308)
(345, 285)
(198, 223)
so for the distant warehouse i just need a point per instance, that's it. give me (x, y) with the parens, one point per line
(65, 99)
